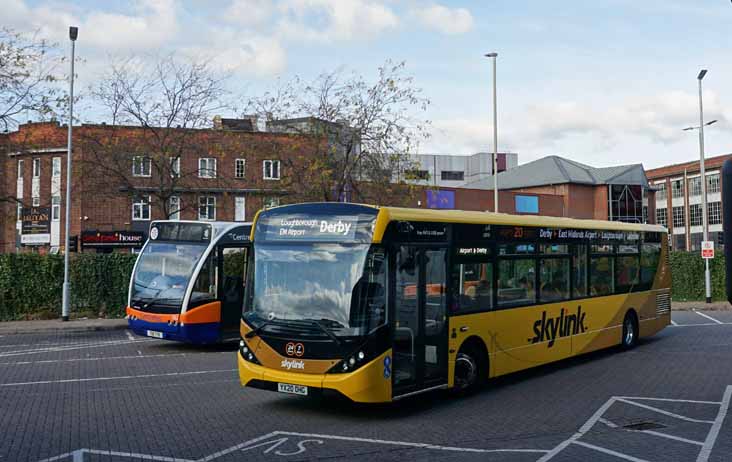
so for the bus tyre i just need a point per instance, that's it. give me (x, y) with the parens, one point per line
(630, 331)
(467, 371)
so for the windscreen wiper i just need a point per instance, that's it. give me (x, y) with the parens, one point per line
(257, 329)
(327, 331)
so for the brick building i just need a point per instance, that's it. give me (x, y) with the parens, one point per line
(125, 176)
(679, 201)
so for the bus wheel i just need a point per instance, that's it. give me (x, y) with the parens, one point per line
(630, 331)
(467, 371)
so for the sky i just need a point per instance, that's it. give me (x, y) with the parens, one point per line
(603, 82)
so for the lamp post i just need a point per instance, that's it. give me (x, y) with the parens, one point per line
(73, 34)
(494, 56)
(705, 222)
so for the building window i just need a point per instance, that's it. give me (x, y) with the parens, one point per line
(239, 165)
(626, 203)
(56, 167)
(695, 215)
(452, 175)
(695, 186)
(207, 167)
(677, 188)
(20, 169)
(175, 167)
(36, 168)
(678, 216)
(36, 202)
(207, 208)
(20, 211)
(56, 208)
(174, 208)
(662, 217)
(272, 201)
(713, 183)
(660, 191)
(141, 209)
(271, 169)
(240, 209)
(141, 166)
(714, 213)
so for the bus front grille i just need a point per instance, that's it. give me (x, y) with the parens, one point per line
(663, 302)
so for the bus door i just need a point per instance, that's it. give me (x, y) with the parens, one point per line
(232, 271)
(420, 321)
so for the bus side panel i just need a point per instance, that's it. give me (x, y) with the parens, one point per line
(604, 321)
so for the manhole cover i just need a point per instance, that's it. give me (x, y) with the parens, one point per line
(646, 425)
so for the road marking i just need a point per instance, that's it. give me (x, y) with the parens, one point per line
(583, 429)
(673, 323)
(216, 455)
(408, 444)
(66, 348)
(102, 358)
(714, 432)
(610, 452)
(129, 335)
(670, 400)
(123, 377)
(671, 437)
(661, 411)
(708, 317)
(608, 423)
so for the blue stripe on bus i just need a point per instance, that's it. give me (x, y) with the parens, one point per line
(190, 333)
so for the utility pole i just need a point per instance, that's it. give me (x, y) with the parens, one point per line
(494, 57)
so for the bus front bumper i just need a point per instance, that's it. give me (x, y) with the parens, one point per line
(168, 327)
(367, 384)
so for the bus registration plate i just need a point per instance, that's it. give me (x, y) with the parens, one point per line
(154, 333)
(293, 389)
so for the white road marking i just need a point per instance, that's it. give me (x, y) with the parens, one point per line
(674, 323)
(69, 348)
(610, 452)
(123, 377)
(708, 317)
(669, 399)
(716, 426)
(102, 358)
(661, 411)
(129, 335)
(408, 444)
(672, 437)
(583, 429)
(216, 455)
(608, 423)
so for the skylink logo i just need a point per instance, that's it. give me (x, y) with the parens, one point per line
(292, 364)
(561, 326)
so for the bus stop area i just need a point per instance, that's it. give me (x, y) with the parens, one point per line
(107, 395)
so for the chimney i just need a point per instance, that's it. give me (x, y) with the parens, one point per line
(217, 125)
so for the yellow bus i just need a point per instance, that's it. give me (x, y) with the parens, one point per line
(381, 303)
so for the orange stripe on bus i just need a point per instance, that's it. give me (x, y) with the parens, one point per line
(151, 317)
(210, 312)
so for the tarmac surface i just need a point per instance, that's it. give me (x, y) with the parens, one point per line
(110, 396)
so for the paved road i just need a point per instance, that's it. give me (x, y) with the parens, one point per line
(108, 396)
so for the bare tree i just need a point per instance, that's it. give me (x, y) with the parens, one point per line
(29, 77)
(370, 129)
(166, 102)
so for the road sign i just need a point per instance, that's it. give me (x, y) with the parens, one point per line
(707, 249)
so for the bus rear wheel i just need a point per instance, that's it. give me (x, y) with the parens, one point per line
(630, 331)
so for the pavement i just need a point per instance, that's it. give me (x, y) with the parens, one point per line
(56, 325)
(112, 396)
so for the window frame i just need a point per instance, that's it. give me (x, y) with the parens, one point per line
(56, 208)
(207, 171)
(272, 163)
(142, 203)
(36, 167)
(243, 162)
(141, 161)
(175, 167)
(174, 215)
(56, 167)
(200, 206)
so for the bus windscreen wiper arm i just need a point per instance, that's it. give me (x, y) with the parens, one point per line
(327, 331)
(257, 329)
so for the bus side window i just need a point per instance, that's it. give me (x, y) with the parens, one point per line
(234, 266)
(602, 270)
(204, 289)
(650, 255)
(472, 287)
(627, 268)
(579, 270)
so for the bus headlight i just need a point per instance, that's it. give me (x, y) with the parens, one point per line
(247, 353)
(350, 363)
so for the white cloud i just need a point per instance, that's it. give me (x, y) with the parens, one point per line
(327, 20)
(558, 126)
(248, 12)
(450, 21)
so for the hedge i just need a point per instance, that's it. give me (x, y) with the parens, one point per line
(687, 269)
(31, 285)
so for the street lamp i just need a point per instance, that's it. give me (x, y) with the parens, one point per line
(73, 34)
(705, 223)
(494, 55)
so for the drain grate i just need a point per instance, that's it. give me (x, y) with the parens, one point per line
(645, 425)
